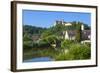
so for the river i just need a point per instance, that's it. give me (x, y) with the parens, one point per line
(39, 59)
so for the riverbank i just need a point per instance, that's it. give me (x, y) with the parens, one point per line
(75, 52)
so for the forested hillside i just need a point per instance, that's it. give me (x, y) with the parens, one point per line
(32, 29)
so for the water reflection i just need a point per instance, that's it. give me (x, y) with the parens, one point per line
(39, 59)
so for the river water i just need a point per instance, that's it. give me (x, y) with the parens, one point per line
(39, 59)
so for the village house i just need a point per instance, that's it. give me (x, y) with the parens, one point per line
(71, 34)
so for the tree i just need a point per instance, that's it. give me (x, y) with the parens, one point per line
(27, 37)
(78, 52)
(77, 27)
(32, 29)
(51, 39)
(46, 34)
(65, 44)
(78, 35)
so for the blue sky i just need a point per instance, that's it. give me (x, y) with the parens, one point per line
(47, 18)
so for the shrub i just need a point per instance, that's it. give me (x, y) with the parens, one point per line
(27, 45)
(78, 51)
(75, 52)
(65, 44)
(43, 44)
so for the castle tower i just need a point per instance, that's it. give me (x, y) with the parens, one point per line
(82, 27)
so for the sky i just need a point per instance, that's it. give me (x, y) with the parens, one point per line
(46, 19)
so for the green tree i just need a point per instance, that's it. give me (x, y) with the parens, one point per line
(78, 35)
(77, 27)
(78, 51)
(51, 39)
(27, 37)
(46, 33)
(27, 41)
(65, 44)
(58, 29)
